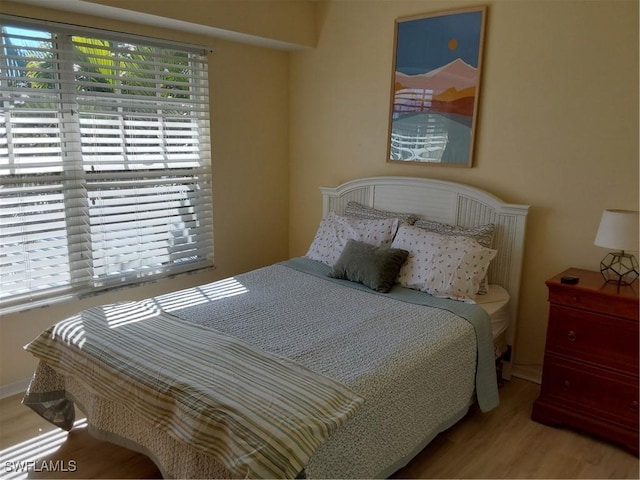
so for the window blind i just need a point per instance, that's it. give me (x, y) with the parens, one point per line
(105, 175)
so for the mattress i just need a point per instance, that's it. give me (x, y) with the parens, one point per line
(496, 304)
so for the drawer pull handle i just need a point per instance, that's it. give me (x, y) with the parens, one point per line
(572, 336)
(566, 385)
(574, 298)
(634, 406)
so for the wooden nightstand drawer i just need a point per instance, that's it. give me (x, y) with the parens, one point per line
(613, 397)
(590, 371)
(599, 339)
(576, 298)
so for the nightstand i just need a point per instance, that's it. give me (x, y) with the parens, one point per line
(590, 372)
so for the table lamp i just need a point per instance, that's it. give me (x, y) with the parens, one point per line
(619, 230)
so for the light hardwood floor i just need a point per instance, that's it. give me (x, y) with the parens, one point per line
(503, 443)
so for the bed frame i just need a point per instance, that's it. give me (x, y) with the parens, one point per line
(454, 204)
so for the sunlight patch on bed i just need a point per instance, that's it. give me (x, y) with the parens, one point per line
(123, 314)
(119, 314)
(18, 459)
(191, 297)
(71, 331)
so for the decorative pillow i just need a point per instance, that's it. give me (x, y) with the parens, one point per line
(375, 267)
(421, 246)
(355, 209)
(459, 267)
(483, 234)
(444, 266)
(335, 230)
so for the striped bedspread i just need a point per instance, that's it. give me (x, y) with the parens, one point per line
(172, 382)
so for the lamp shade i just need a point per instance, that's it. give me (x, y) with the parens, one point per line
(618, 230)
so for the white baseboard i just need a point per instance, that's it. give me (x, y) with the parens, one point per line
(14, 388)
(529, 373)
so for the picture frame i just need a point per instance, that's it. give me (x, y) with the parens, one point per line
(437, 68)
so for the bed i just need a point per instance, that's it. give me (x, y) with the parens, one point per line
(298, 368)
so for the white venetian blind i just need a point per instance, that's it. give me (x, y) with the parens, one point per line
(104, 162)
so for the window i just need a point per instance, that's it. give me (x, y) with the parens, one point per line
(105, 176)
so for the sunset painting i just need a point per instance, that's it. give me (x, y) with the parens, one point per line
(436, 78)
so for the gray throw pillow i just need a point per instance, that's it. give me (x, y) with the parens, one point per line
(375, 267)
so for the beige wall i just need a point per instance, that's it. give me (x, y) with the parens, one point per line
(250, 167)
(557, 126)
(289, 21)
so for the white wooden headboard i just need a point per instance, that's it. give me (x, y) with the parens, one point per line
(451, 203)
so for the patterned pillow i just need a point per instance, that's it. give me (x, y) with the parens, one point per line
(483, 234)
(442, 265)
(355, 209)
(335, 230)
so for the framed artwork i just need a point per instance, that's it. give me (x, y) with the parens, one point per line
(435, 87)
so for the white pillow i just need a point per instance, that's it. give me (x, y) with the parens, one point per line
(335, 230)
(483, 234)
(421, 246)
(441, 265)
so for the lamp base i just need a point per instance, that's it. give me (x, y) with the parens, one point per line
(620, 268)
